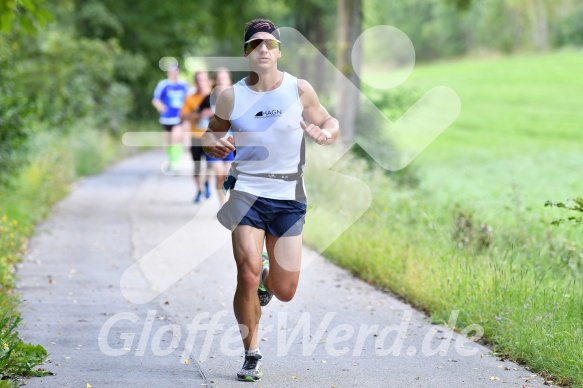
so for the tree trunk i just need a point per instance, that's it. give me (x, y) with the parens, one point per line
(309, 22)
(347, 96)
(540, 27)
(318, 38)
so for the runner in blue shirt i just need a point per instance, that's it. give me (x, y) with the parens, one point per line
(168, 100)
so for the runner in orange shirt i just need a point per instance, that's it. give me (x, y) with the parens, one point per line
(198, 122)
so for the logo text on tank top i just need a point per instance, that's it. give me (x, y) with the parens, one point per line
(267, 113)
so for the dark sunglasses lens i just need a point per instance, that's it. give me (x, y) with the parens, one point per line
(254, 44)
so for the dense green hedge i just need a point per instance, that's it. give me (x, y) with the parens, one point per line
(54, 79)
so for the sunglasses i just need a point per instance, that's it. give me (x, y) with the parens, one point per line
(252, 44)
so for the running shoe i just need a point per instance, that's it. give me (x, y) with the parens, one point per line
(207, 190)
(252, 368)
(264, 295)
(197, 198)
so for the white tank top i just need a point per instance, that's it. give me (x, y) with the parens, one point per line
(269, 139)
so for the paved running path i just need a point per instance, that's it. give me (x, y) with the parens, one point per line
(337, 332)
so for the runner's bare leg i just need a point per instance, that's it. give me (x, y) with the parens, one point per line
(247, 249)
(285, 259)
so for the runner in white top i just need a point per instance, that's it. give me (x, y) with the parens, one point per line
(269, 138)
(267, 204)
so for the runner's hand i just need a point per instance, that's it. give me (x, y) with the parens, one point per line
(224, 147)
(206, 113)
(314, 132)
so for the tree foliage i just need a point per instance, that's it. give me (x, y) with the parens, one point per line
(445, 28)
(569, 29)
(150, 30)
(51, 81)
(13, 116)
(99, 58)
(28, 14)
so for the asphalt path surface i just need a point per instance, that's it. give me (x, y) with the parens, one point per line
(128, 283)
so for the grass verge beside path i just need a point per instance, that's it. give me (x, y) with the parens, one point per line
(475, 236)
(55, 162)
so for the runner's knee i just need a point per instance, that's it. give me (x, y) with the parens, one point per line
(248, 278)
(284, 291)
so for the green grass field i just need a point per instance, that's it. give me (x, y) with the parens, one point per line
(474, 235)
(521, 124)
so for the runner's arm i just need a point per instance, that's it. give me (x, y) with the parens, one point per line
(159, 105)
(157, 100)
(188, 112)
(317, 116)
(213, 141)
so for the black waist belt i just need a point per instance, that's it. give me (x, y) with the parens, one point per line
(284, 177)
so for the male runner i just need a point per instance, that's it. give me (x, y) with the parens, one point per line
(198, 123)
(168, 99)
(267, 204)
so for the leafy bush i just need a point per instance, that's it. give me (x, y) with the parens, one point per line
(371, 133)
(14, 115)
(577, 206)
(16, 358)
(12, 247)
(68, 78)
(54, 82)
(569, 31)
